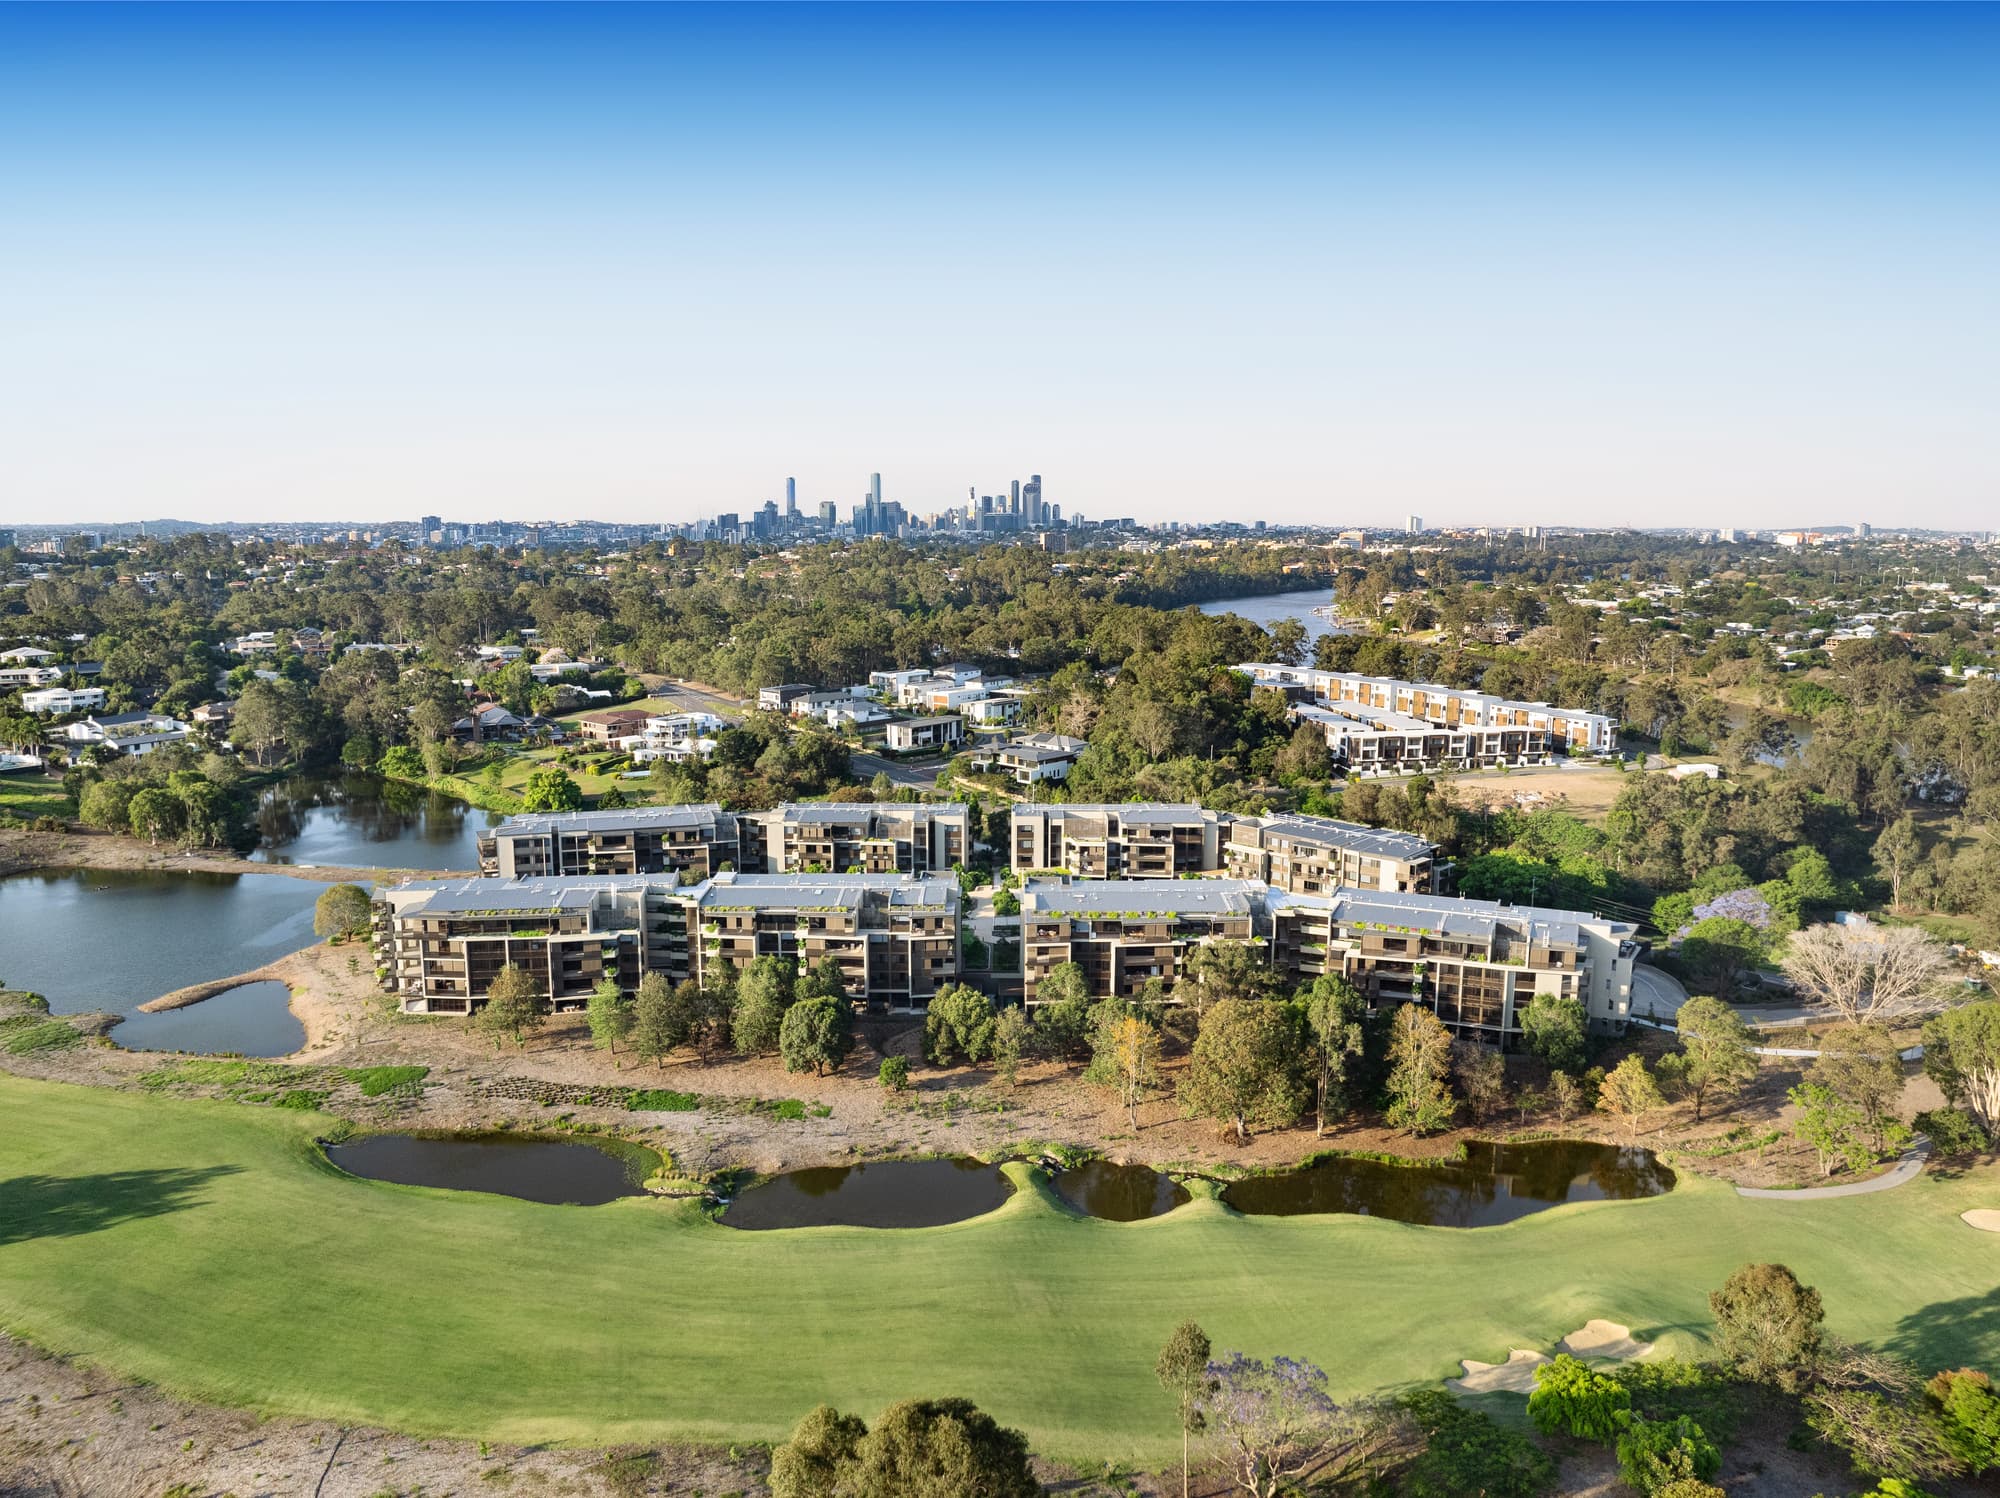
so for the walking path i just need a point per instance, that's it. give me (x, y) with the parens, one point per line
(1901, 1173)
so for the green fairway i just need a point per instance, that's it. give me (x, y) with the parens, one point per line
(206, 1247)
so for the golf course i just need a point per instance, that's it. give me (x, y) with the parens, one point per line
(210, 1249)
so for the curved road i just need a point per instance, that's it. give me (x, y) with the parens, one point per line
(1656, 994)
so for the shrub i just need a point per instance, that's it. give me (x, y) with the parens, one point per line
(1953, 1131)
(1652, 1454)
(1572, 1399)
(661, 1100)
(1467, 1451)
(1970, 1413)
(380, 1081)
(894, 1074)
(1768, 1325)
(305, 1099)
(1670, 1387)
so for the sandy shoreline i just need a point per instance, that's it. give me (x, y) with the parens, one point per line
(23, 852)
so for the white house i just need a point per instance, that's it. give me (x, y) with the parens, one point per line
(27, 655)
(993, 709)
(63, 699)
(129, 733)
(12, 677)
(925, 733)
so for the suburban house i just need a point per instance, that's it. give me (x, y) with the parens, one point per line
(63, 699)
(13, 678)
(777, 699)
(612, 724)
(26, 655)
(1317, 855)
(924, 733)
(488, 720)
(1031, 758)
(213, 715)
(442, 942)
(1125, 840)
(873, 837)
(626, 840)
(128, 733)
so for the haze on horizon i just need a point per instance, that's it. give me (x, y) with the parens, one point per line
(1574, 265)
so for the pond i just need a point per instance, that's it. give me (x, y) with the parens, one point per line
(882, 1194)
(1496, 1183)
(1267, 609)
(365, 821)
(91, 939)
(559, 1172)
(1119, 1193)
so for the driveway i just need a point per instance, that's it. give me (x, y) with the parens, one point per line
(918, 777)
(1656, 994)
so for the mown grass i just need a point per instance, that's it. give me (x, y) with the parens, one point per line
(31, 796)
(208, 1248)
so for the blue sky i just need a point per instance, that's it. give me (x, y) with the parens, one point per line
(1717, 265)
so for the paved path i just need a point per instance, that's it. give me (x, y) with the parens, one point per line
(1656, 994)
(1901, 1173)
(865, 766)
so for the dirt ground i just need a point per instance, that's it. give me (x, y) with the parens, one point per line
(86, 848)
(1588, 792)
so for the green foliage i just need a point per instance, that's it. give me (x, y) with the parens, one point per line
(1556, 1030)
(1768, 1325)
(1953, 1131)
(1835, 1130)
(1420, 1097)
(1655, 1453)
(1969, 1412)
(661, 1100)
(958, 1025)
(933, 1448)
(305, 1099)
(513, 1006)
(1467, 1451)
(611, 1014)
(1006, 903)
(1244, 1067)
(1573, 1400)
(1962, 1055)
(401, 763)
(893, 1074)
(341, 910)
(1716, 1057)
(381, 1081)
(763, 993)
(1630, 1092)
(44, 1035)
(1337, 1022)
(816, 1035)
(1667, 1388)
(551, 789)
(1718, 951)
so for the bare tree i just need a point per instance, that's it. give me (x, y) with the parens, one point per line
(1869, 974)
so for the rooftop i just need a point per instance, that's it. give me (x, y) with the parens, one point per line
(1381, 842)
(701, 814)
(1173, 897)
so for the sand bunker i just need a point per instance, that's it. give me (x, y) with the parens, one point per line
(1986, 1219)
(1598, 1340)
(1515, 1376)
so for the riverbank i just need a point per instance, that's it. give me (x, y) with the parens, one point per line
(23, 851)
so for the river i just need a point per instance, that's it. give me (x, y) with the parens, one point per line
(1268, 608)
(364, 821)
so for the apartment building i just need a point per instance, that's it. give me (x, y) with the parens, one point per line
(1130, 840)
(870, 837)
(1447, 707)
(1374, 739)
(1476, 963)
(1123, 932)
(442, 942)
(700, 840)
(1318, 855)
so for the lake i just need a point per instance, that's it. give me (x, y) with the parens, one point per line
(1495, 1183)
(1119, 1193)
(104, 939)
(1267, 609)
(882, 1194)
(365, 821)
(558, 1172)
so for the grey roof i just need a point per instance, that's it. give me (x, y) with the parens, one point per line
(823, 891)
(516, 896)
(1380, 842)
(616, 819)
(1448, 915)
(1153, 896)
(1130, 811)
(860, 811)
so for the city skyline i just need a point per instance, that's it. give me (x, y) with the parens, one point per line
(1496, 265)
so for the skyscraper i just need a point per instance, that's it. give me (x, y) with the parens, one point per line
(791, 499)
(875, 490)
(1416, 524)
(427, 527)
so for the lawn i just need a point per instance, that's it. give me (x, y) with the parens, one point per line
(28, 796)
(205, 1247)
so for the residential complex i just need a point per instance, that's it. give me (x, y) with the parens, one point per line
(442, 942)
(1380, 722)
(1129, 840)
(1122, 932)
(1317, 855)
(886, 837)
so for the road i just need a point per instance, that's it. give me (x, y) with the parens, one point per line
(1655, 994)
(691, 699)
(920, 776)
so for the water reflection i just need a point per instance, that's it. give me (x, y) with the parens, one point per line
(1119, 1193)
(366, 821)
(554, 1171)
(884, 1194)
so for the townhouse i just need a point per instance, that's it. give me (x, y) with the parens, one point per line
(441, 943)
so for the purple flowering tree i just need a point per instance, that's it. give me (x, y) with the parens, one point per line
(1276, 1425)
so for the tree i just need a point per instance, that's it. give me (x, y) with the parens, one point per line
(401, 762)
(1556, 1030)
(823, 1446)
(925, 1448)
(1420, 1100)
(1242, 1068)
(1892, 1437)
(342, 910)
(1276, 1424)
(1719, 950)
(1127, 1056)
(1011, 1035)
(824, 980)
(107, 804)
(816, 1035)
(1006, 903)
(1217, 970)
(1466, 1451)
(763, 994)
(1868, 974)
(1767, 1325)
(1897, 851)
(1716, 1049)
(1572, 1399)
(1832, 1127)
(1182, 1369)
(893, 1074)
(1565, 1095)
(1860, 1065)
(1064, 983)
(1481, 1075)
(1969, 1411)
(551, 789)
(1962, 1055)
(154, 813)
(513, 1006)
(1629, 1092)
(960, 1022)
(655, 1020)
(1653, 1454)
(610, 1011)
(1336, 1017)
